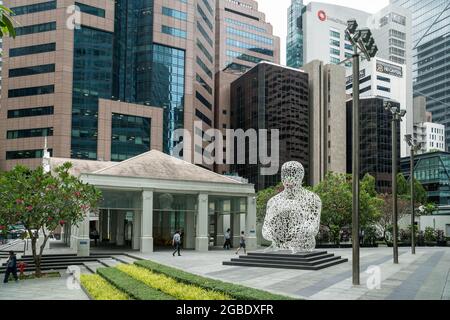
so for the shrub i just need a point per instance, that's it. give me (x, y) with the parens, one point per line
(99, 289)
(134, 288)
(179, 290)
(430, 234)
(235, 291)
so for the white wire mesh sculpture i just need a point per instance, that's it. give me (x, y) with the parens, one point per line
(293, 216)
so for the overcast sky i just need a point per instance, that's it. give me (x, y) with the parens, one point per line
(276, 12)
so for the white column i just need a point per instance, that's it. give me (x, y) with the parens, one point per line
(250, 224)
(219, 221)
(202, 239)
(83, 243)
(120, 233)
(136, 230)
(147, 222)
(236, 227)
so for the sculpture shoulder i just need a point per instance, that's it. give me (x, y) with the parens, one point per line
(274, 199)
(315, 199)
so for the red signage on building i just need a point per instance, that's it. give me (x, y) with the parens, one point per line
(322, 15)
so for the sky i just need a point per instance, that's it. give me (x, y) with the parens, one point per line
(276, 14)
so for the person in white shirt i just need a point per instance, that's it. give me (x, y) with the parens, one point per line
(176, 243)
(227, 244)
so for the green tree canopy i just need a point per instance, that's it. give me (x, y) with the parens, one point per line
(43, 201)
(6, 22)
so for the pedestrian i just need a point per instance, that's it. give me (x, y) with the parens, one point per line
(11, 267)
(177, 243)
(227, 244)
(242, 243)
(95, 236)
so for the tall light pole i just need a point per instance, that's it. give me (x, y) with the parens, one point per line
(397, 116)
(415, 147)
(363, 43)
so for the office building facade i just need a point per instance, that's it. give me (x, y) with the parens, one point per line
(328, 123)
(294, 40)
(243, 39)
(105, 80)
(375, 141)
(272, 97)
(431, 26)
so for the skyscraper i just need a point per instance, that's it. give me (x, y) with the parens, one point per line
(431, 28)
(243, 39)
(115, 84)
(294, 41)
(323, 34)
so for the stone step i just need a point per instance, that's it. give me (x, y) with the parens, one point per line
(68, 258)
(288, 258)
(124, 259)
(284, 266)
(288, 262)
(109, 262)
(93, 266)
(288, 254)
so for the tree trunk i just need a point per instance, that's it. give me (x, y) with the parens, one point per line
(36, 257)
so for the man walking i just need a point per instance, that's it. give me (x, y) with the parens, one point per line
(177, 243)
(227, 244)
(11, 267)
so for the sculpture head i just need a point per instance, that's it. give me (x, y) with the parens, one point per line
(292, 175)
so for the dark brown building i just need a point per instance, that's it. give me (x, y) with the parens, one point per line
(375, 141)
(271, 96)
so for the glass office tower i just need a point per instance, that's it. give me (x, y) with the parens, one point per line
(431, 29)
(294, 43)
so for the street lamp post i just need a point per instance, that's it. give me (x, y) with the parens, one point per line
(363, 43)
(415, 147)
(397, 116)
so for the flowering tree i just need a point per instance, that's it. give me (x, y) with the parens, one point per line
(6, 22)
(43, 201)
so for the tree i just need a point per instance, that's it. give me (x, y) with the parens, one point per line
(385, 222)
(43, 201)
(6, 22)
(263, 197)
(336, 194)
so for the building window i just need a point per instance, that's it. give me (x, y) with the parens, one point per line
(205, 51)
(29, 133)
(26, 154)
(33, 91)
(131, 136)
(36, 28)
(23, 51)
(180, 15)
(90, 10)
(202, 117)
(174, 32)
(204, 67)
(204, 34)
(205, 18)
(335, 51)
(248, 46)
(203, 84)
(29, 71)
(335, 43)
(335, 34)
(203, 100)
(32, 8)
(381, 88)
(249, 35)
(30, 112)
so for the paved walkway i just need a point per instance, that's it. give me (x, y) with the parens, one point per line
(423, 276)
(40, 289)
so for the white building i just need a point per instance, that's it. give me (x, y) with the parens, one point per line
(431, 135)
(386, 79)
(324, 39)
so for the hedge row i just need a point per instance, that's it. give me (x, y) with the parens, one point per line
(235, 291)
(134, 288)
(100, 289)
(170, 286)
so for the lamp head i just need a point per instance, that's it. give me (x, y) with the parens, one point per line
(352, 25)
(402, 113)
(366, 34)
(373, 51)
(409, 139)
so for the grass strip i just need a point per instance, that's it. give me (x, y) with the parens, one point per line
(168, 285)
(132, 287)
(235, 291)
(100, 289)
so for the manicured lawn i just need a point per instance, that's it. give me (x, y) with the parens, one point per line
(147, 280)
(235, 291)
(100, 289)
